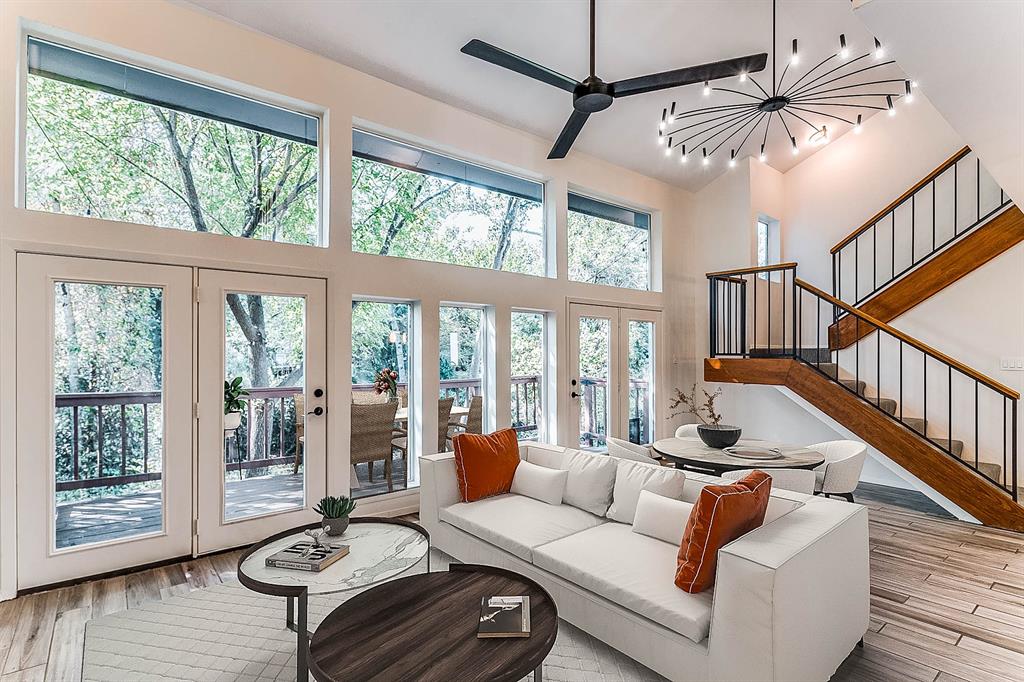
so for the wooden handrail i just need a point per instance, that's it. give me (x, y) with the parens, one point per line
(903, 197)
(750, 271)
(911, 341)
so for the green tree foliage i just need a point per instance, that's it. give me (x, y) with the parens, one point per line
(606, 252)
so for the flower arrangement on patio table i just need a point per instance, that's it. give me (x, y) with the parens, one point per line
(386, 381)
(690, 406)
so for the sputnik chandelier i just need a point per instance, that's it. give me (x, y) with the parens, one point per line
(836, 89)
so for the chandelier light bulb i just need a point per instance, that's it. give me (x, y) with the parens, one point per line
(661, 125)
(879, 50)
(796, 149)
(762, 157)
(888, 103)
(857, 127)
(684, 158)
(909, 92)
(668, 147)
(706, 159)
(743, 77)
(707, 89)
(732, 159)
(843, 51)
(794, 59)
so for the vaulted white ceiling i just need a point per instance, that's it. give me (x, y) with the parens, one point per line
(415, 44)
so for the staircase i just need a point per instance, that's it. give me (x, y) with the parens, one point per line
(946, 226)
(947, 423)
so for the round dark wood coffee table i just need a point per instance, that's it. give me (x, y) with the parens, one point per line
(692, 453)
(423, 627)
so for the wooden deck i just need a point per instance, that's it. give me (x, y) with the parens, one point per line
(947, 604)
(109, 518)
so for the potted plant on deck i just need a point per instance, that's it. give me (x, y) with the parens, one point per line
(711, 430)
(335, 512)
(233, 404)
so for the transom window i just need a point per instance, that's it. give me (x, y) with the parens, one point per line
(114, 141)
(608, 244)
(414, 203)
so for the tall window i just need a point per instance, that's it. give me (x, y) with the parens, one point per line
(414, 203)
(608, 244)
(462, 354)
(381, 339)
(768, 246)
(528, 374)
(113, 141)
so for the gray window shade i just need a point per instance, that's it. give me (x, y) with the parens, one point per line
(123, 80)
(383, 150)
(600, 209)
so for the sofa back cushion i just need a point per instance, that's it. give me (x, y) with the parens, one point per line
(661, 517)
(485, 464)
(722, 514)
(540, 483)
(631, 477)
(590, 480)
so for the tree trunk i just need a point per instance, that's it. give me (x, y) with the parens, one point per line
(505, 232)
(71, 331)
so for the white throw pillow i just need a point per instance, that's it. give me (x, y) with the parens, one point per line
(550, 456)
(590, 482)
(661, 517)
(623, 449)
(632, 477)
(540, 483)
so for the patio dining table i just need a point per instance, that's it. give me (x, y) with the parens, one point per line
(403, 413)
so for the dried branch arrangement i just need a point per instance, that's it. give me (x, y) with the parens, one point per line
(703, 410)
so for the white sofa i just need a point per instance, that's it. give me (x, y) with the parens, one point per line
(790, 600)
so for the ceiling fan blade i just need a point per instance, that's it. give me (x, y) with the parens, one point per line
(691, 74)
(568, 135)
(507, 60)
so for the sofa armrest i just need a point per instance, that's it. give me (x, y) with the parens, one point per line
(439, 487)
(792, 597)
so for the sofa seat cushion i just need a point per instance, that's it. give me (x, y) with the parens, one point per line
(632, 570)
(516, 523)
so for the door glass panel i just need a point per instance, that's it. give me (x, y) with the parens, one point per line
(527, 380)
(461, 364)
(108, 422)
(264, 346)
(641, 381)
(381, 341)
(595, 370)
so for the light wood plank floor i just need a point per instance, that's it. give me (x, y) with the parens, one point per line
(947, 605)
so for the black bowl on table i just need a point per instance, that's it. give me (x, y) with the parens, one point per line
(719, 435)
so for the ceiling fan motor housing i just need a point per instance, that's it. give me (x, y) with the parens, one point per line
(592, 95)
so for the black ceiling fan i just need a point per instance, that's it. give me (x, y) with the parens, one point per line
(593, 94)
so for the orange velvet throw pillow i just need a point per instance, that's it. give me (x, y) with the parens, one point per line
(722, 514)
(485, 464)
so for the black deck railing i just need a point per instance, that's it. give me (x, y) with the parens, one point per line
(946, 205)
(770, 312)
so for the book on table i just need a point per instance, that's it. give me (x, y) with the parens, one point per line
(307, 556)
(504, 617)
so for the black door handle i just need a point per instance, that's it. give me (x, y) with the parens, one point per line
(316, 411)
(574, 394)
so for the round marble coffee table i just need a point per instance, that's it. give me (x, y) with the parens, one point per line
(693, 453)
(379, 550)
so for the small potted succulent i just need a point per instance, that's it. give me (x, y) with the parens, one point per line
(233, 404)
(386, 381)
(335, 511)
(711, 430)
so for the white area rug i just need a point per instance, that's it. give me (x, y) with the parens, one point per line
(227, 632)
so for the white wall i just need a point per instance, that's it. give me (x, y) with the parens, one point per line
(193, 44)
(977, 320)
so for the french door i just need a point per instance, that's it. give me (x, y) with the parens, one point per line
(613, 386)
(104, 381)
(262, 460)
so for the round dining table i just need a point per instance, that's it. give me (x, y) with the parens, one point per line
(692, 453)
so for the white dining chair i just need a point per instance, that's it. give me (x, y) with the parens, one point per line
(840, 473)
(687, 431)
(623, 449)
(797, 480)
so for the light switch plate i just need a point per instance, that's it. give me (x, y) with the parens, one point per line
(1011, 364)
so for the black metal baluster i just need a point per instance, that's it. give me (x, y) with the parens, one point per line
(924, 360)
(874, 259)
(956, 195)
(933, 215)
(753, 343)
(913, 229)
(949, 427)
(901, 380)
(856, 352)
(856, 270)
(878, 368)
(1013, 435)
(817, 335)
(976, 411)
(99, 442)
(978, 190)
(782, 278)
(711, 315)
(839, 285)
(892, 247)
(768, 288)
(743, 317)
